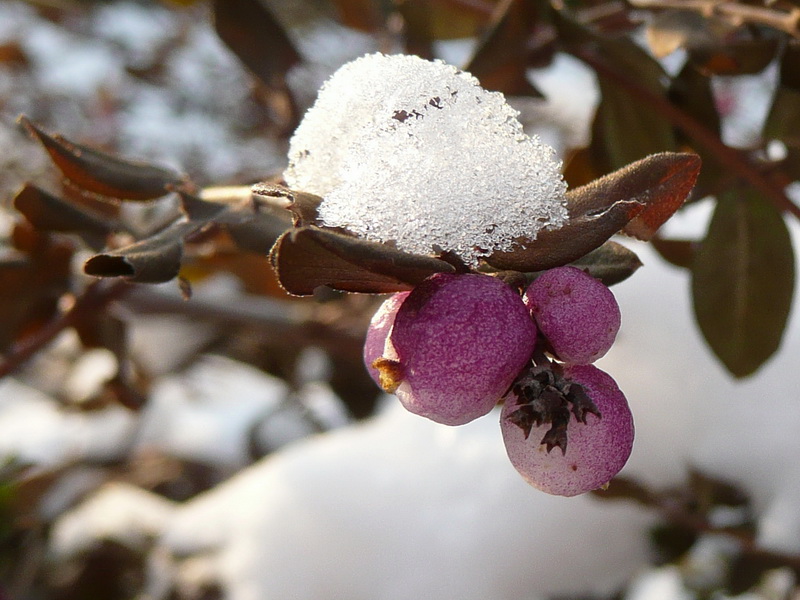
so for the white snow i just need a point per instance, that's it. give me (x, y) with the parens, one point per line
(206, 413)
(416, 152)
(119, 512)
(34, 429)
(404, 508)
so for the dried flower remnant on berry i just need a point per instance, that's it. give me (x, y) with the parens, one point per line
(597, 448)
(379, 328)
(418, 153)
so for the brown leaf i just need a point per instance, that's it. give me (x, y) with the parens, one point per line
(158, 258)
(661, 182)
(50, 213)
(32, 282)
(154, 260)
(308, 257)
(364, 15)
(102, 173)
(257, 38)
(736, 57)
(673, 29)
(501, 60)
(636, 200)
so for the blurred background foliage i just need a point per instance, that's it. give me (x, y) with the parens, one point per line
(670, 75)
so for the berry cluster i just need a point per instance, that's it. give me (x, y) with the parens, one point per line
(458, 343)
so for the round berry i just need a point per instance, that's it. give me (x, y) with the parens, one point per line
(458, 343)
(575, 312)
(379, 328)
(595, 450)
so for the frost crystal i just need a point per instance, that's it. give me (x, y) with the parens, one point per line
(417, 152)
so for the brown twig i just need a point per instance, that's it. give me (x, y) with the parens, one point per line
(786, 21)
(677, 513)
(734, 160)
(96, 296)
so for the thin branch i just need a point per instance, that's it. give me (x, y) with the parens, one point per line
(786, 21)
(676, 512)
(734, 160)
(95, 297)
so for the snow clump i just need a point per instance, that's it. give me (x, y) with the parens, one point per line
(417, 152)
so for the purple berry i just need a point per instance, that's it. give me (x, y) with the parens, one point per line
(595, 450)
(379, 328)
(457, 344)
(575, 312)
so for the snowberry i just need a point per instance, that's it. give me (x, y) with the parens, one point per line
(575, 312)
(457, 344)
(589, 451)
(379, 328)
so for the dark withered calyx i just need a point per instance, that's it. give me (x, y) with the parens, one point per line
(545, 396)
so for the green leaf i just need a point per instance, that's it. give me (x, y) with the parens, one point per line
(625, 129)
(742, 281)
(611, 263)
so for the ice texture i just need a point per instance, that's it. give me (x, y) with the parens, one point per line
(417, 152)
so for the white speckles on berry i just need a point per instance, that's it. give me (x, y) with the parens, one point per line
(577, 314)
(460, 340)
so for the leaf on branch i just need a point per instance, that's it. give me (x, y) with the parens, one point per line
(743, 280)
(158, 258)
(636, 200)
(104, 174)
(32, 279)
(50, 213)
(740, 57)
(154, 260)
(364, 15)
(309, 257)
(714, 45)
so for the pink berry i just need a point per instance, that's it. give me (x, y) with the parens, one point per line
(379, 328)
(457, 344)
(595, 450)
(575, 312)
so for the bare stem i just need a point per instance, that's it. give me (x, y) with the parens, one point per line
(734, 160)
(677, 513)
(786, 21)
